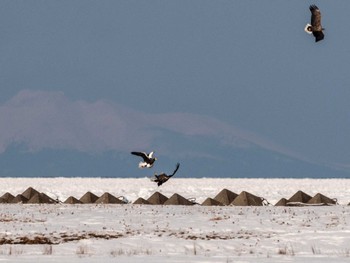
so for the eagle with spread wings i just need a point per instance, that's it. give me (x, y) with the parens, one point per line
(163, 177)
(148, 159)
(315, 28)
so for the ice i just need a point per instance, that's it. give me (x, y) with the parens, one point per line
(146, 233)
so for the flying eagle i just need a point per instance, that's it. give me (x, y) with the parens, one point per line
(315, 28)
(162, 178)
(148, 159)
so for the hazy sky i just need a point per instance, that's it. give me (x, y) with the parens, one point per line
(96, 76)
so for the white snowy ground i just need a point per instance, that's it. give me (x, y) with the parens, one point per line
(134, 233)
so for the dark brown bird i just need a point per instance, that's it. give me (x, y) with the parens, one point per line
(315, 28)
(162, 178)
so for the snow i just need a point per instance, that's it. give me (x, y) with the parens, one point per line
(146, 233)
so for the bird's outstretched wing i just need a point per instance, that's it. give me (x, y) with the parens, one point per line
(141, 154)
(177, 168)
(316, 23)
(315, 18)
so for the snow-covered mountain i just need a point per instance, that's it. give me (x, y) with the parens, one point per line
(199, 158)
(48, 134)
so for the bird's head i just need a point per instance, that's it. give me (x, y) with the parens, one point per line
(308, 29)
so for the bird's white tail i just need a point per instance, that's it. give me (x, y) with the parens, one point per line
(308, 28)
(144, 165)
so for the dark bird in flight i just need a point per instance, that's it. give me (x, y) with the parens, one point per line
(162, 178)
(148, 159)
(315, 28)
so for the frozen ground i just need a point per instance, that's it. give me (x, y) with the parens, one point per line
(134, 233)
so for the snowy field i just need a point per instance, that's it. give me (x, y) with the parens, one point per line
(147, 233)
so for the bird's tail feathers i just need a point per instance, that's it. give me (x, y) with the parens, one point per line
(144, 165)
(308, 28)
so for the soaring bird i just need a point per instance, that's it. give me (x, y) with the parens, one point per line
(162, 178)
(315, 28)
(148, 159)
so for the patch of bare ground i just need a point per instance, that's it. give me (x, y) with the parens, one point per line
(218, 235)
(64, 237)
(7, 219)
(25, 240)
(56, 239)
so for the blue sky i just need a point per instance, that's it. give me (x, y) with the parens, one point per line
(192, 80)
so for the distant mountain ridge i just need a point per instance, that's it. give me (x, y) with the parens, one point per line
(47, 134)
(223, 162)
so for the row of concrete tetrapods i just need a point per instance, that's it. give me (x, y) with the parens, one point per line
(224, 197)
